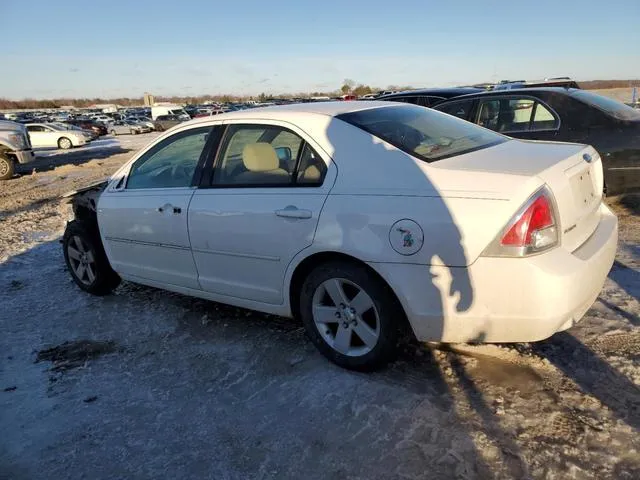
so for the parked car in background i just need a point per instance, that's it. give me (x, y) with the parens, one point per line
(165, 122)
(104, 119)
(87, 124)
(52, 135)
(565, 115)
(564, 82)
(89, 134)
(144, 121)
(15, 148)
(124, 127)
(176, 110)
(428, 97)
(346, 242)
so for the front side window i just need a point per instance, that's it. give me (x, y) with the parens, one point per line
(266, 155)
(460, 109)
(171, 163)
(422, 132)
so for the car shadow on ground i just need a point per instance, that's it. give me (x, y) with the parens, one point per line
(628, 279)
(593, 375)
(631, 202)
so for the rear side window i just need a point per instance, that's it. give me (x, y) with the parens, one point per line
(460, 109)
(422, 132)
(509, 114)
(266, 156)
(608, 105)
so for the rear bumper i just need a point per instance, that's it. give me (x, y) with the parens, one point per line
(506, 299)
(25, 156)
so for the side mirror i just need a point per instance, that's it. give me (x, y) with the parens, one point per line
(284, 154)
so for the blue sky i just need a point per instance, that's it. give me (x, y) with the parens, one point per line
(115, 48)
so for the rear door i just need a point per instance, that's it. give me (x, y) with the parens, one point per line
(259, 209)
(143, 216)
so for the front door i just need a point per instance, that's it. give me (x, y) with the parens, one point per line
(143, 217)
(260, 209)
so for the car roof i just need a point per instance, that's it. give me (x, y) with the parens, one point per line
(279, 112)
(518, 91)
(442, 92)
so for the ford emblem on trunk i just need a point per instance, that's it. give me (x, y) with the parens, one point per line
(587, 157)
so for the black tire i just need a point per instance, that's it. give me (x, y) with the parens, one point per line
(133, 132)
(159, 128)
(7, 167)
(390, 315)
(105, 278)
(64, 143)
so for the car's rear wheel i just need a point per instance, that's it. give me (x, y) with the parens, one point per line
(87, 261)
(64, 143)
(351, 316)
(114, 133)
(7, 167)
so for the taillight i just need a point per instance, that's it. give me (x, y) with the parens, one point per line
(533, 229)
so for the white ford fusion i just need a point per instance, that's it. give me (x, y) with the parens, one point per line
(358, 218)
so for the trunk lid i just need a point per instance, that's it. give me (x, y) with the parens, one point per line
(573, 172)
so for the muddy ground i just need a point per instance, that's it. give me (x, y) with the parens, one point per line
(149, 384)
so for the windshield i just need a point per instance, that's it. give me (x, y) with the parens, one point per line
(608, 105)
(422, 132)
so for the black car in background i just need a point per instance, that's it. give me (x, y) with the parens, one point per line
(98, 128)
(428, 97)
(564, 115)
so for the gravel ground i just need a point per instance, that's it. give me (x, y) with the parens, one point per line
(157, 385)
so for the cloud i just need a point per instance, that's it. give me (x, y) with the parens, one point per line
(264, 80)
(74, 70)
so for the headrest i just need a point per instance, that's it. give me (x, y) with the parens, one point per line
(260, 157)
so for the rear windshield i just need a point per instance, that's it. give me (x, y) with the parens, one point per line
(422, 132)
(608, 105)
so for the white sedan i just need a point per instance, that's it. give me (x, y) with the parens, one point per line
(53, 135)
(357, 218)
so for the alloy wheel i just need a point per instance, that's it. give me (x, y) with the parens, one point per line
(82, 260)
(346, 317)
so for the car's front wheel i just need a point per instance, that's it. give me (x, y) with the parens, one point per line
(7, 167)
(87, 261)
(351, 316)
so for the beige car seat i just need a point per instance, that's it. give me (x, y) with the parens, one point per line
(262, 164)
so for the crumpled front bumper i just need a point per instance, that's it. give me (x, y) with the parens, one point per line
(25, 156)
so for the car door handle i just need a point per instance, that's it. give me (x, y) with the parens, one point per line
(293, 212)
(168, 207)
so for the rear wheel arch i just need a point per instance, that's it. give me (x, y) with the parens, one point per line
(310, 263)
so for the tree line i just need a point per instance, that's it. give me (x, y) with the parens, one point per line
(349, 87)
